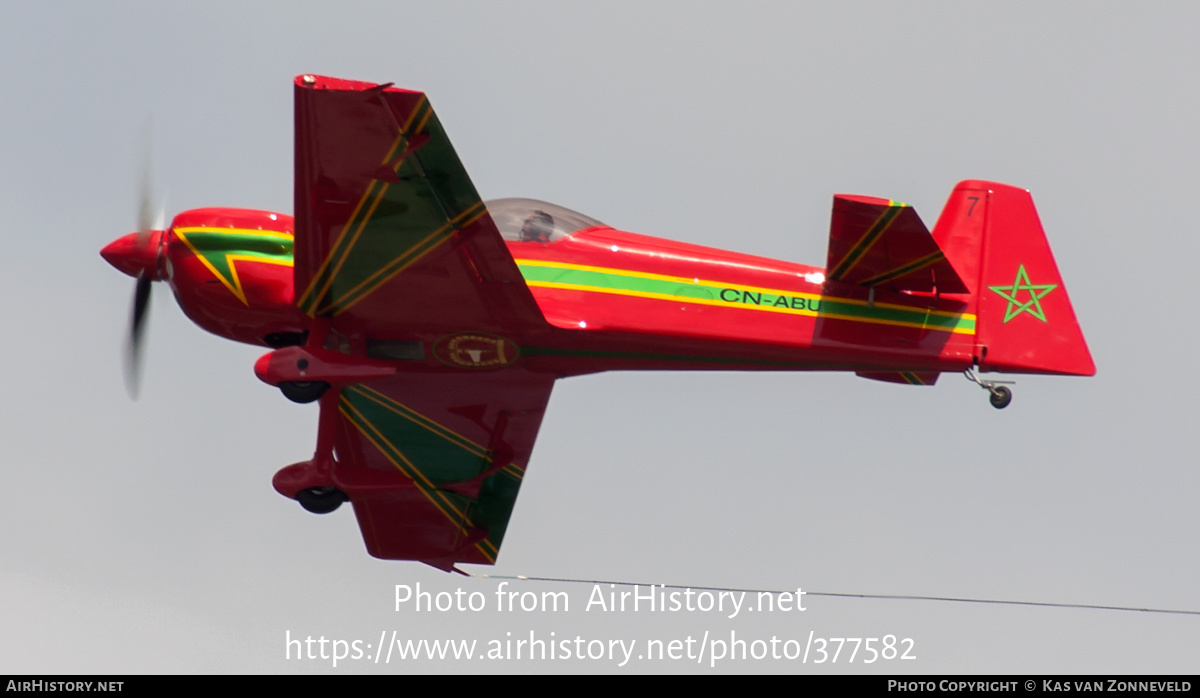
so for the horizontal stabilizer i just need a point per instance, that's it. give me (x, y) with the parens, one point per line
(877, 242)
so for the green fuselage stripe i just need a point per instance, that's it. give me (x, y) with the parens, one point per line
(619, 282)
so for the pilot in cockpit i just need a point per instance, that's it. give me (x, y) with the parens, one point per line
(538, 227)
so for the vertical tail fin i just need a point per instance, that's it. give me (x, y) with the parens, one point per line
(992, 235)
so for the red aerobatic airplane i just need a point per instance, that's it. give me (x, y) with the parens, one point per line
(431, 326)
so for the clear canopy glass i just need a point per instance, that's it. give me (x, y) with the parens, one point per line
(530, 220)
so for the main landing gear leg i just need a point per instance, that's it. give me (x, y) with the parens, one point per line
(324, 499)
(314, 373)
(319, 500)
(311, 482)
(1000, 396)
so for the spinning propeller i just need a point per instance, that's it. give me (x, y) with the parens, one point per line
(141, 255)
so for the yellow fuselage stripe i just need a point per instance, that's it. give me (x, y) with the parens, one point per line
(707, 283)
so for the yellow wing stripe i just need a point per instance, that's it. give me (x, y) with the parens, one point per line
(409, 257)
(343, 253)
(435, 496)
(337, 252)
(387, 448)
(420, 420)
(341, 249)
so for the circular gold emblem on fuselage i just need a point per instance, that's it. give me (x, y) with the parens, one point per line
(475, 350)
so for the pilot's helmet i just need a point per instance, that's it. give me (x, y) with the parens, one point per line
(538, 227)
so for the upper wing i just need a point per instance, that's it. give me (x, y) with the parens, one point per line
(394, 246)
(432, 462)
(390, 235)
(877, 242)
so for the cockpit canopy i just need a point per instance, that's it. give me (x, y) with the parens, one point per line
(530, 220)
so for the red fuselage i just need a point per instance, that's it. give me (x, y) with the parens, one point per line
(633, 301)
(611, 299)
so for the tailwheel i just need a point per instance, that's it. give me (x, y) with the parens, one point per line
(303, 392)
(321, 500)
(1000, 397)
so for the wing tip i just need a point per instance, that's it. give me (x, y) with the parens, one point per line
(312, 81)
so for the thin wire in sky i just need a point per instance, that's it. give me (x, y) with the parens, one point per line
(842, 595)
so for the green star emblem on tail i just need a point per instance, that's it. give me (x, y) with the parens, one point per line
(1032, 306)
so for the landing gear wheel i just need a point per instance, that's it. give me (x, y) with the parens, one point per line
(321, 500)
(303, 392)
(999, 395)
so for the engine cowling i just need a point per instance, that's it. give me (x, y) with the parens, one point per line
(231, 271)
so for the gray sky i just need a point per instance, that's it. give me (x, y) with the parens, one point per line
(146, 537)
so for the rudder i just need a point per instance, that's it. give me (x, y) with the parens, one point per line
(991, 234)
